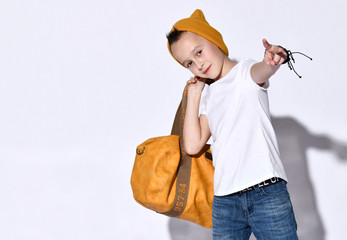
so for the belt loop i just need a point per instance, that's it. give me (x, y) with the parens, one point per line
(257, 188)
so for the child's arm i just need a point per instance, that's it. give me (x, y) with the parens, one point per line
(196, 131)
(273, 58)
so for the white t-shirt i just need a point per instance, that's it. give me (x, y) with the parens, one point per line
(244, 148)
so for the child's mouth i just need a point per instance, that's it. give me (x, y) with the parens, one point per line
(207, 70)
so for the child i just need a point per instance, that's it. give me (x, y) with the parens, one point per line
(228, 101)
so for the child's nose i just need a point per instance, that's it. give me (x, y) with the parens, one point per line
(200, 64)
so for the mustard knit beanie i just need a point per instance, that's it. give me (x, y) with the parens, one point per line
(197, 23)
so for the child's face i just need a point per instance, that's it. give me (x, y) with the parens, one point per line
(202, 57)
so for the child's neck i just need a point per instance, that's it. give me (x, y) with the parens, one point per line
(227, 66)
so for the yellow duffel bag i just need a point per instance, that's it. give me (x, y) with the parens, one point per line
(167, 180)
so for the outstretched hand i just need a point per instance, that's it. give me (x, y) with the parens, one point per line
(274, 55)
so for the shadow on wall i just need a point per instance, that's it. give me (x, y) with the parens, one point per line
(294, 141)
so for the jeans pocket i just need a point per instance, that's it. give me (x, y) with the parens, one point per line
(223, 207)
(277, 189)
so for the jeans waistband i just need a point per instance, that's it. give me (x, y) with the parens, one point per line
(265, 183)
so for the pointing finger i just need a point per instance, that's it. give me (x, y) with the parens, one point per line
(266, 44)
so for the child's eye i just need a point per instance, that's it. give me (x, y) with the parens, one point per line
(189, 64)
(199, 52)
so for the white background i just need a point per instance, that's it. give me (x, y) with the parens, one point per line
(83, 82)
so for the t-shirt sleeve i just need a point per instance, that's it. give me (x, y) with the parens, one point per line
(246, 67)
(202, 107)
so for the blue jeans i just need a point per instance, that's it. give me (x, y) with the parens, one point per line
(267, 212)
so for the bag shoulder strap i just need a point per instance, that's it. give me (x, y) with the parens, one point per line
(184, 169)
(177, 126)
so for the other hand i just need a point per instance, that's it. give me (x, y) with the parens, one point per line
(274, 55)
(196, 84)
